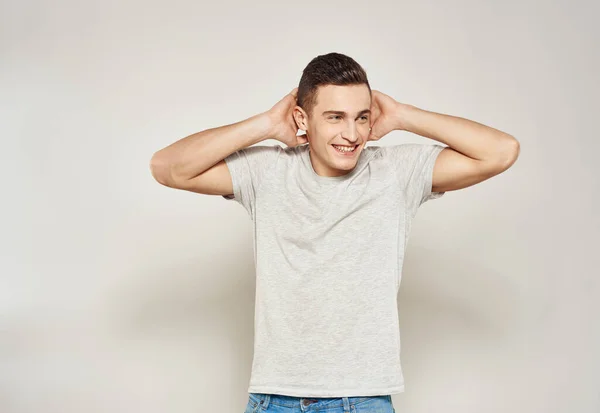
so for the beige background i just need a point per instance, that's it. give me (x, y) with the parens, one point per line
(120, 295)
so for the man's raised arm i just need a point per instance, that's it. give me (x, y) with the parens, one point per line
(178, 164)
(196, 162)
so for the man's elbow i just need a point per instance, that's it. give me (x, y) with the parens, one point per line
(509, 153)
(514, 151)
(160, 170)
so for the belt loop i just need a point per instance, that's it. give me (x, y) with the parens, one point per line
(265, 401)
(346, 404)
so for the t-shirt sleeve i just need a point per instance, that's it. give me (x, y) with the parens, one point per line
(413, 165)
(248, 167)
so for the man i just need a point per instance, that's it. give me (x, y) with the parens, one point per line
(331, 220)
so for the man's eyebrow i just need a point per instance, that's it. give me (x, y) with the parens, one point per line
(339, 112)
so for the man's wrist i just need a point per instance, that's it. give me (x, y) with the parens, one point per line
(403, 115)
(261, 127)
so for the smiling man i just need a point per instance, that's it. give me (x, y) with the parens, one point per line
(337, 136)
(331, 222)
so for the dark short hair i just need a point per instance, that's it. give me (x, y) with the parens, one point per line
(328, 69)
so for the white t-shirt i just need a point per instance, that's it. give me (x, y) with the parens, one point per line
(328, 253)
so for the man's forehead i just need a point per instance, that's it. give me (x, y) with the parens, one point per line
(351, 100)
(334, 91)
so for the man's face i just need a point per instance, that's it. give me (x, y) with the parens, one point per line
(341, 117)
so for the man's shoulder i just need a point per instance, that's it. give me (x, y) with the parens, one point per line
(375, 153)
(294, 151)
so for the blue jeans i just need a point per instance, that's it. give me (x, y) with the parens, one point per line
(276, 403)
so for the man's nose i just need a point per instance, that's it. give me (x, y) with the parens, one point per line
(350, 133)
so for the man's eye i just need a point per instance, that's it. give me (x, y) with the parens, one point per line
(338, 116)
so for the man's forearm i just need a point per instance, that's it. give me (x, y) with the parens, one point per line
(470, 138)
(194, 154)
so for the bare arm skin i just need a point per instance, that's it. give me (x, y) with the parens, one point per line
(196, 162)
(476, 152)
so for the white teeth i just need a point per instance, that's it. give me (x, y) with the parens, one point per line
(345, 148)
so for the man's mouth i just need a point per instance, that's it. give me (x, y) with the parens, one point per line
(345, 149)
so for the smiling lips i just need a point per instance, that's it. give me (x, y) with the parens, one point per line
(344, 148)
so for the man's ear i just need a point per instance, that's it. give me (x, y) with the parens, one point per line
(300, 118)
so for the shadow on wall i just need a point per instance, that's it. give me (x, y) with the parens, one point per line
(469, 300)
(459, 318)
